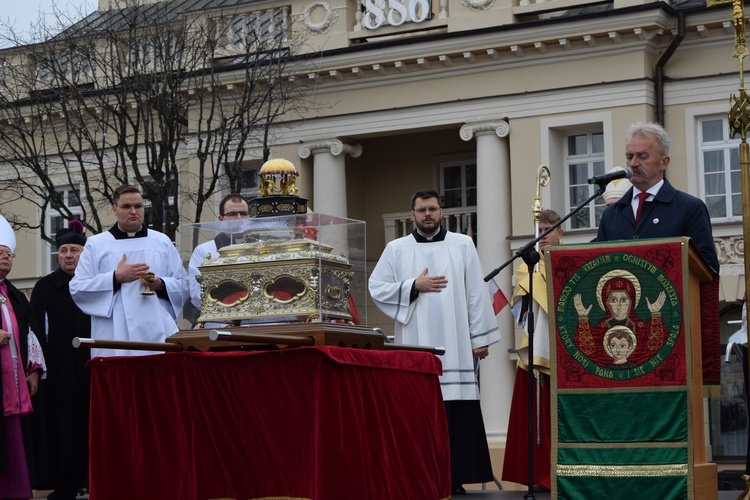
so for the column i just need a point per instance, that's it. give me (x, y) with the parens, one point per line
(329, 173)
(493, 227)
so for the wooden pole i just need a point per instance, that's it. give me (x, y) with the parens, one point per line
(84, 343)
(739, 123)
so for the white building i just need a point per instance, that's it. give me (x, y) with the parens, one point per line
(469, 97)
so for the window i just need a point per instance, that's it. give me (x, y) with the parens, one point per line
(720, 169)
(458, 188)
(584, 158)
(458, 184)
(257, 30)
(169, 217)
(65, 68)
(728, 413)
(75, 66)
(55, 221)
(43, 70)
(249, 180)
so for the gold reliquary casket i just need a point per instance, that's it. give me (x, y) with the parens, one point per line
(295, 268)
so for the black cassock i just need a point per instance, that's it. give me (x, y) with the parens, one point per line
(66, 389)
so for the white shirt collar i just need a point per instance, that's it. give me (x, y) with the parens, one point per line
(652, 191)
(428, 237)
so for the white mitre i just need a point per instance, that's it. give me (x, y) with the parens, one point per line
(7, 236)
(616, 188)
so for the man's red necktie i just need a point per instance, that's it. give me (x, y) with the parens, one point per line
(641, 202)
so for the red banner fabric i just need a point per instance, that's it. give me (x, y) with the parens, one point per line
(619, 317)
(313, 422)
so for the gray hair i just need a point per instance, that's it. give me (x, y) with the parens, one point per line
(639, 129)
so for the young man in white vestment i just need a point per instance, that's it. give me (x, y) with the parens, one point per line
(431, 284)
(233, 206)
(114, 269)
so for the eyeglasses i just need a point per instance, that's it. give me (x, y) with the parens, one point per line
(5, 253)
(236, 214)
(128, 208)
(425, 210)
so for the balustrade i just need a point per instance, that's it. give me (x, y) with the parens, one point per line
(459, 220)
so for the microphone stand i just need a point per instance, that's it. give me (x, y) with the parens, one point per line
(531, 257)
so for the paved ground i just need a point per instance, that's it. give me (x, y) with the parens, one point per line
(478, 495)
(493, 494)
(520, 495)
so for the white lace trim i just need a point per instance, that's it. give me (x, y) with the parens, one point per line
(36, 356)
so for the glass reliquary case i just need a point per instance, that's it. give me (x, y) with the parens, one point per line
(278, 269)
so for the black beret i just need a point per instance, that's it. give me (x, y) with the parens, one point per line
(70, 235)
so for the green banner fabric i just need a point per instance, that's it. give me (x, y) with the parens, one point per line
(627, 455)
(625, 488)
(630, 417)
(621, 370)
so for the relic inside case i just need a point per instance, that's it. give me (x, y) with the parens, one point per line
(294, 268)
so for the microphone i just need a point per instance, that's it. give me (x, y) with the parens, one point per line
(605, 179)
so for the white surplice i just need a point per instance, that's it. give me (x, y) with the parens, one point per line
(196, 259)
(459, 318)
(541, 318)
(125, 314)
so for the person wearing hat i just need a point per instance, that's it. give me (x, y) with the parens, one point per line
(21, 367)
(130, 279)
(616, 188)
(66, 388)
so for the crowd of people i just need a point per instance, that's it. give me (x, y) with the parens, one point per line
(95, 292)
(429, 282)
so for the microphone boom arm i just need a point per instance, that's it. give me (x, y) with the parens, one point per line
(531, 244)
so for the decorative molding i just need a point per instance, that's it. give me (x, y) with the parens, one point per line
(477, 4)
(333, 146)
(732, 270)
(731, 250)
(329, 19)
(497, 127)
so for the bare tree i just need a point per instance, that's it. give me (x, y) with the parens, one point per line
(132, 95)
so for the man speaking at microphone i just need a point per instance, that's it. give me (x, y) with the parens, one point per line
(653, 208)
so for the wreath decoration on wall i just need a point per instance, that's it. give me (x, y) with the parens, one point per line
(323, 26)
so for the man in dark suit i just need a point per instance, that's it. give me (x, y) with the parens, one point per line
(662, 210)
(652, 208)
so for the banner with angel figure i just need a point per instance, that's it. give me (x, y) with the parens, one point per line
(626, 370)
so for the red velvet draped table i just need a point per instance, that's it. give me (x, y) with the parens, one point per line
(304, 423)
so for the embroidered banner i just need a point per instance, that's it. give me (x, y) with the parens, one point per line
(620, 379)
(619, 317)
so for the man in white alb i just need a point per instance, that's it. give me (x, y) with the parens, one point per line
(112, 273)
(431, 283)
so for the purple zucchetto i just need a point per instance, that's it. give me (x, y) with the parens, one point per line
(72, 234)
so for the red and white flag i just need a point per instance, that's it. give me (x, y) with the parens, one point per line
(499, 301)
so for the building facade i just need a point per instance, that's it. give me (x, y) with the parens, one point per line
(470, 97)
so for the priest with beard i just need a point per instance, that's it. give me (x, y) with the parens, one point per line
(431, 284)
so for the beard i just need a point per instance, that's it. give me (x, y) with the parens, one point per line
(427, 227)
